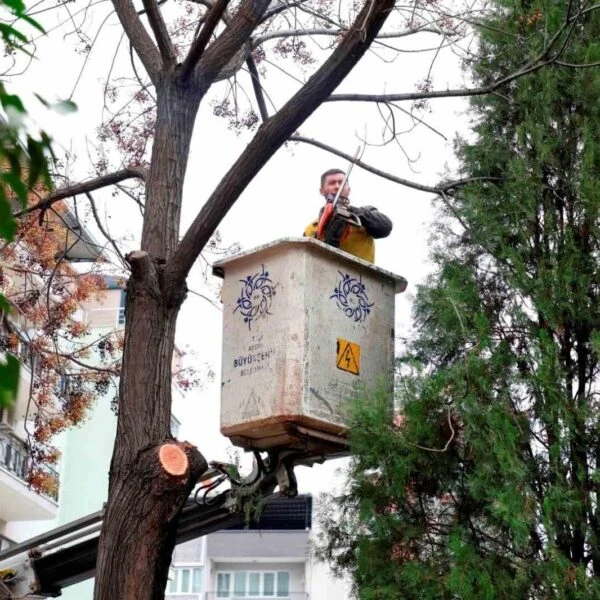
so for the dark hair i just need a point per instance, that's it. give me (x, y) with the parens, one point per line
(330, 172)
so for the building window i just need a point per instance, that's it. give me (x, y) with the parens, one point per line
(121, 317)
(185, 580)
(253, 584)
(28, 357)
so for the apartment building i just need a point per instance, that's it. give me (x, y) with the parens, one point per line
(19, 502)
(86, 449)
(271, 559)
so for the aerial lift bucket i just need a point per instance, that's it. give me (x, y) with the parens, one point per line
(306, 327)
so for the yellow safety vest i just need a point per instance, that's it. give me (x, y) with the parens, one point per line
(356, 241)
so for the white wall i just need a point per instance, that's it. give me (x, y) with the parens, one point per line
(322, 585)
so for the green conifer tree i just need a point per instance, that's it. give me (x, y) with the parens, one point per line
(487, 484)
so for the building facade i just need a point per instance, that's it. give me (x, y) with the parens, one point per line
(268, 560)
(86, 450)
(20, 280)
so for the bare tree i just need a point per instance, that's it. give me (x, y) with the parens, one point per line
(175, 61)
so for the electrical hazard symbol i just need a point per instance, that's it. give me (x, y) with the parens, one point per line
(348, 356)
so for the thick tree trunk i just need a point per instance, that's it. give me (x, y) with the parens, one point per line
(138, 536)
(138, 532)
(176, 109)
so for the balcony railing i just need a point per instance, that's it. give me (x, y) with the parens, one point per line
(14, 458)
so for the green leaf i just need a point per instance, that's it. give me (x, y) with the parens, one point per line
(8, 33)
(33, 23)
(9, 380)
(16, 183)
(5, 305)
(14, 156)
(11, 100)
(8, 226)
(17, 6)
(38, 163)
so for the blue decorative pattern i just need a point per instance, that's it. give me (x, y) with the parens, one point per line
(256, 296)
(351, 296)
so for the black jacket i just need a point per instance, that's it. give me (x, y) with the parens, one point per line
(376, 223)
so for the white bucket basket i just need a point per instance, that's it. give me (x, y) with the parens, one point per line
(304, 326)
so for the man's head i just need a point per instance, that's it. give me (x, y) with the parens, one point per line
(331, 181)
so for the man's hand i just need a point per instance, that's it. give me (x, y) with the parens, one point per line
(376, 223)
(349, 214)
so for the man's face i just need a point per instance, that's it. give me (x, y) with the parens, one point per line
(333, 183)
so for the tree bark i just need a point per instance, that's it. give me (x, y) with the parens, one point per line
(149, 499)
(177, 106)
(143, 497)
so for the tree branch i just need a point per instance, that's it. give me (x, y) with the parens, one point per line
(279, 9)
(541, 60)
(258, 91)
(317, 14)
(456, 93)
(236, 34)
(561, 63)
(200, 43)
(273, 133)
(87, 366)
(359, 163)
(102, 230)
(159, 29)
(82, 188)
(139, 37)
(92, 344)
(441, 190)
(143, 11)
(337, 32)
(209, 4)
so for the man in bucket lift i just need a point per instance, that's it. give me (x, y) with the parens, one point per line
(349, 228)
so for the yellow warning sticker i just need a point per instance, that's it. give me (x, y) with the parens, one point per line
(348, 356)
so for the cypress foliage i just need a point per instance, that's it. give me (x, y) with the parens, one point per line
(487, 485)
